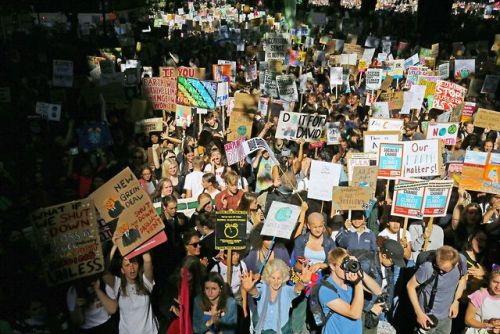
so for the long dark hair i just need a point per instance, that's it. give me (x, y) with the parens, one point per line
(139, 282)
(216, 278)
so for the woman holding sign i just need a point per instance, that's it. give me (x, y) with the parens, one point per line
(133, 291)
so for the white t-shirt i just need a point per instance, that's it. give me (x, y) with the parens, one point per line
(394, 236)
(136, 312)
(221, 268)
(95, 314)
(193, 183)
(218, 173)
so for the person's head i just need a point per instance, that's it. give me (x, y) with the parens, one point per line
(335, 259)
(205, 203)
(311, 99)
(477, 241)
(446, 258)
(472, 214)
(189, 153)
(488, 145)
(357, 218)
(130, 269)
(166, 187)
(169, 206)
(147, 174)
(192, 243)
(210, 119)
(391, 253)
(208, 180)
(469, 127)
(138, 156)
(411, 128)
(316, 224)
(276, 274)
(207, 223)
(394, 223)
(154, 138)
(214, 292)
(216, 157)
(169, 168)
(494, 283)
(198, 163)
(231, 179)
(248, 202)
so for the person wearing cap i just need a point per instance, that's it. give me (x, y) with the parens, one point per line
(381, 268)
(355, 235)
(394, 231)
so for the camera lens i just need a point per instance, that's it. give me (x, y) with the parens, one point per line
(354, 266)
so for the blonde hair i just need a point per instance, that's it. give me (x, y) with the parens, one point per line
(447, 254)
(165, 166)
(231, 178)
(273, 266)
(337, 255)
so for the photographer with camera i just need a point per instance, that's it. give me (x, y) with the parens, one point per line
(381, 268)
(341, 294)
(436, 287)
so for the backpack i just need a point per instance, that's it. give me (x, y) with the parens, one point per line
(320, 319)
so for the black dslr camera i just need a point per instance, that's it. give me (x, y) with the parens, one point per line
(350, 265)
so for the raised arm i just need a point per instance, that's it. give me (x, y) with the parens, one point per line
(148, 266)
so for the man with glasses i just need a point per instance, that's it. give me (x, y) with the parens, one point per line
(411, 132)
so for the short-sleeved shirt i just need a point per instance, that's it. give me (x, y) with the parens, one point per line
(394, 236)
(194, 183)
(136, 312)
(337, 322)
(446, 287)
(487, 306)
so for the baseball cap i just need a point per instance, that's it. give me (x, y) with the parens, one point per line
(395, 251)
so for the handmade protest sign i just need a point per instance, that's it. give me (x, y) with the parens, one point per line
(454, 171)
(235, 151)
(429, 82)
(258, 143)
(157, 91)
(447, 95)
(359, 159)
(240, 124)
(488, 119)
(149, 125)
(287, 87)
(445, 117)
(123, 200)
(413, 73)
(373, 78)
(332, 133)
(62, 73)
(464, 68)
(408, 198)
(230, 230)
(437, 197)
(372, 139)
(171, 74)
(468, 111)
(444, 71)
(390, 160)
(365, 176)
(447, 132)
(49, 111)
(324, 176)
(196, 93)
(68, 241)
(377, 124)
(275, 46)
(422, 158)
(480, 172)
(336, 76)
(222, 94)
(381, 110)
(269, 86)
(221, 72)
(350, 198)
(183, 115)
(281, 220)
(294, 126)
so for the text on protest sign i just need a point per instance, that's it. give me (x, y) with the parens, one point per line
(68, 241)
(447, 132)
(235, 151)
(287, 88)
(49, 111)
(372, 139)
(350, 198)
(122, 199)
(408, 198)
(359, 159)
(324, 176)
(480, 172)
(275, 46)
(149, 125)
(196, 93)
(230, 230)
(448, 95)
(390, 160)
(281, 220)
(62, 75)
(332, 133)
(422, 158)
(294, 126)
(489, 119)
(157, 91)
(373, 78)
(365, 176)
(376, 124)
(171, 73)
(437, 197)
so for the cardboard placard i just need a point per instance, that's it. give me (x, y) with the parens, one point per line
(287, 88)
(323, 177)
(230, 230)
(448, 95)
(149, 125)
(171, 73)
(350, 198)
(240, 124)
(365, 176)
(377, 124)
(447, 132)
(276, 46)
(488, 119)
(235, 151)
(68, 241)
(294, 126)
(122, 199)
(157, 92)
(390, 160)
(281, 220)
(359, 159)
(422, 158)
(372, 139)
(480, 172)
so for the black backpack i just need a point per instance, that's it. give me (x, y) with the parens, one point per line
(320, 319)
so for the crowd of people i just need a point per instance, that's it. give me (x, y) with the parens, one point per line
(340, 272)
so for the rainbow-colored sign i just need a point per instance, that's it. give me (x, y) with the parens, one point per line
(196, 93)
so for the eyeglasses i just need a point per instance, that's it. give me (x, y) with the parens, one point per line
(195, 244)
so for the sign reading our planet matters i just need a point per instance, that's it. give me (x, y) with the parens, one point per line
(281, 220)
